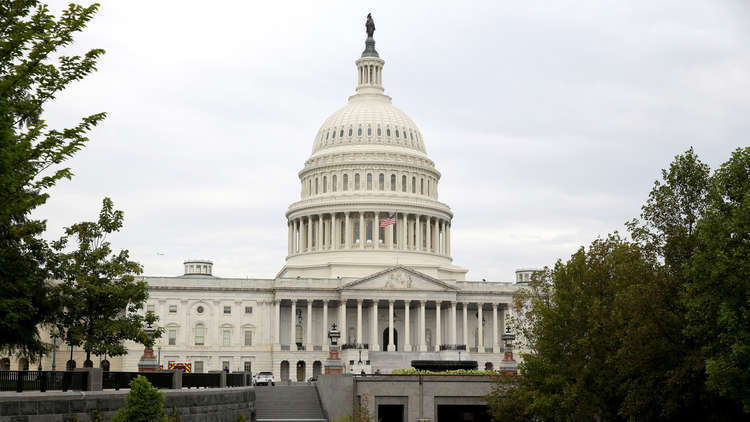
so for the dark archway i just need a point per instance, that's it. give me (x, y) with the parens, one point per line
(23, 364)
(317, 368)
(301, 371)
(4, 364)
(385, 339)
(488, 366)
(284, 371)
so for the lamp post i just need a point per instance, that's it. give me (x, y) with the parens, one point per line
(333, 364)
(148, 362)
(508, 365)
(55, 333)
(159, 358)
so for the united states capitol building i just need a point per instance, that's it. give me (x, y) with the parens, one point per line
(369, 249)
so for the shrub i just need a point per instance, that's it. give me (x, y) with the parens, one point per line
(144, 403)
(413, 371)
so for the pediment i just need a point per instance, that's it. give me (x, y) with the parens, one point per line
(399, 278)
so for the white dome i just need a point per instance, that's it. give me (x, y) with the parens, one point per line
(369, 119)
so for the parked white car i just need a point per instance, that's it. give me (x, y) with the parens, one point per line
(264, 378)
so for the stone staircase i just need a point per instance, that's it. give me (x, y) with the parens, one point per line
(288, 403)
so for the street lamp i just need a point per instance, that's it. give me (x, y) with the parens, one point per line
(55, 333)
(334, 335)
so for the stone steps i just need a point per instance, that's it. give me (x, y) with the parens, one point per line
(288, 403)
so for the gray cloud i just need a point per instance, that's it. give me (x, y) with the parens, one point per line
(549, 122)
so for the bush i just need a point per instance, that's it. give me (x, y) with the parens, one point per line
(413, 371)
(144, 403)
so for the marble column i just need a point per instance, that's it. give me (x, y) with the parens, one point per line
(389, 235)
(449, 238)
(404, 229)
(480, 329)
(324, 341)
(418, 227)
(347, 230)
(391, 343)
(320, 241)
(277, 327)
(292, 326)
(422, 320)
(362, 230)
(374, 345)
(289, 238)
(438, 317)
(359, 321)
(453, 323)
(495, 344)
(334, 232)
(375, 230)
(342, 322)
(407, 328)
(466, 326)
(428, 234)
(308, 342)
(309, 235)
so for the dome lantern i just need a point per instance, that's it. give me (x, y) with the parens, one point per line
(370, 65)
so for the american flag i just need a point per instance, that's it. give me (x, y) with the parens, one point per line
(388, 221)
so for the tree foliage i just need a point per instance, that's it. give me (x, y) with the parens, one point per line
(101, 298)
(653, 329)
(33, 72)
(144, 403)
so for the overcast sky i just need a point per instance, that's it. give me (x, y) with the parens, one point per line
(548, 120)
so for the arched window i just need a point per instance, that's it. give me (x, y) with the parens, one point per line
(334, 185)
(403, 183)
(397, 133)
(359, 132)
(413, 184)
(378, 131)
(325, 184)
(316, 185)
(369, 181)
(388, 132)
(393, 182)
(428, 187)
(350, 131)
(369, 131)
(381, 182)
(421, 186)
(341, 134)
(200, 335)
(346, 182)
(334, 134)
(356, 181)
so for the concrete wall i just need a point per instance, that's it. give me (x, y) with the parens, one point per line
(420, 394)
(221, 405)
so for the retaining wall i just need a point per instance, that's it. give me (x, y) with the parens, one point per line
(203, 405)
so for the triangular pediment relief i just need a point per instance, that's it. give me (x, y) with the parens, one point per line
(399, 278)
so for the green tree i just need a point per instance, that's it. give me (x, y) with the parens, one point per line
(718, 282)
(101, 298)
(31, 73)
(144, 403)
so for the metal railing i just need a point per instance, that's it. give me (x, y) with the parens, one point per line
(20, 381)
(239, 379)
(117, 380)
(209, 380)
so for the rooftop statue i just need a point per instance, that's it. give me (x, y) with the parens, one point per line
(370, 26)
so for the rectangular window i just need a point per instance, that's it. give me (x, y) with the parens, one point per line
(172, 336)
(227, 309)
(198, 367)
(325, 184)
(200, 333)
(346, 182)
(355, 235)
(225, 337)
(248, 367)
(248, 338)
(356, 181)
(334, 184)
(150, 308)
(172, 309)
(368, 231)
(381, 234)
(369, 181)
(248, 309)
(225, 365)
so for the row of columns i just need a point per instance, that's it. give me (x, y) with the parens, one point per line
(316, 233)
(374, 334)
